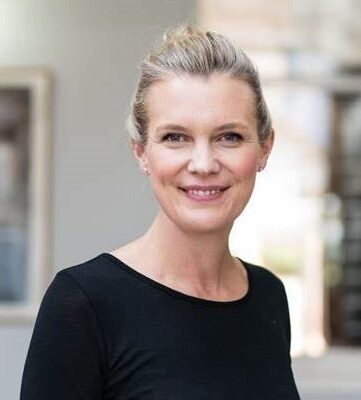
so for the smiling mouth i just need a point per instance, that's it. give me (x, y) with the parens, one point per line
(200, 192)
(207, 193)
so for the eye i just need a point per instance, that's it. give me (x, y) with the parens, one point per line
(173, 137)
(231, 137)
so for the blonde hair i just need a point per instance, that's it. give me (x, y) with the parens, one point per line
(191, 51)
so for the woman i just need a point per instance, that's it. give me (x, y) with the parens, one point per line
(173, 315)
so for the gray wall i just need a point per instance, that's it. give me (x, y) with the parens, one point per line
(100, 200)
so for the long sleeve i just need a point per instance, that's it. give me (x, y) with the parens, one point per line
(286, 316)
(288, 322)
(65, 359)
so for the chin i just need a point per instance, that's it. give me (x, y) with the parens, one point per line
(201, 229)
(204, 224)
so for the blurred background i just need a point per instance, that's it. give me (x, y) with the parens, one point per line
(69, 188)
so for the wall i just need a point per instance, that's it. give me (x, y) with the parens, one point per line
(100, 200)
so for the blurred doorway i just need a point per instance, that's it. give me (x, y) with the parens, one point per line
(344, 251)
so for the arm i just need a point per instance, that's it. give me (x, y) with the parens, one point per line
(287, 324)
(286, 316)
(65, 358)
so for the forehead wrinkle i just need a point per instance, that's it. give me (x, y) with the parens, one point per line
(189, 108)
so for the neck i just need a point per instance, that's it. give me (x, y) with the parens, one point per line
(198, 260)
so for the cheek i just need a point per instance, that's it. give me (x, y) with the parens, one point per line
(164, 165)
(245, 165)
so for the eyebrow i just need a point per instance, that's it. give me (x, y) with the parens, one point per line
(231, 125)
(171, 126)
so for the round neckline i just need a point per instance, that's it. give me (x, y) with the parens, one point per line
(213, 303)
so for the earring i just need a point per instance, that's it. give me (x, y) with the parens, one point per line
(145, 171)
(260, 168)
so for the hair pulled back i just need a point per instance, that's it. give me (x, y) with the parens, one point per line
(191, 51)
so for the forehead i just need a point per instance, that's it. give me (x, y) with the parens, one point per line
(215, 99)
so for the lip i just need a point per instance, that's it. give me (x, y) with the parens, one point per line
(207, 198)
(200, 187)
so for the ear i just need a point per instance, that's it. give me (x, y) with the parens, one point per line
(266, 149)
(140, 154)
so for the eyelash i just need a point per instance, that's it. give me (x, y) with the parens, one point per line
(167, 136)
(235, 135)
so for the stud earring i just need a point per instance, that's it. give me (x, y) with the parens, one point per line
(260, 168)
(145, 171)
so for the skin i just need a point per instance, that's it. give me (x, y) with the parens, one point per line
(202, 131)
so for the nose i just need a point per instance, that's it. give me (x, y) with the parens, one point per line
(203, 160)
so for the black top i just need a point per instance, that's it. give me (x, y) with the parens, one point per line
(106, 331)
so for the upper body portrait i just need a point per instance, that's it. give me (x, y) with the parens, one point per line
(173, 314)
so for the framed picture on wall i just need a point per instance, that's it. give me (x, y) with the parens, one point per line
(24, 191)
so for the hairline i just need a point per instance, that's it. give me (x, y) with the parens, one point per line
(168, 75)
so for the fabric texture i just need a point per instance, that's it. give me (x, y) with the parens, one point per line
(105, 331)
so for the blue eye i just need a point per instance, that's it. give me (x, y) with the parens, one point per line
(173, 137)
(231, 137)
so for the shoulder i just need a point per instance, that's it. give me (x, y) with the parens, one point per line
(92, 279)
(262, 274)
(90, 266)
(270, 291)
(73, 281)
(98, 280)
(265, 280)
(90, 272)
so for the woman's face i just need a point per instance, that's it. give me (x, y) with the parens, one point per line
(202, 151)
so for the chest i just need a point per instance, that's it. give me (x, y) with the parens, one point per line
(184, 353)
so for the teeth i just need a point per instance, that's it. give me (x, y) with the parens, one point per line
(204, 192)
